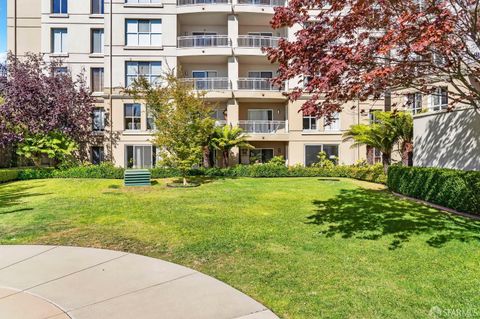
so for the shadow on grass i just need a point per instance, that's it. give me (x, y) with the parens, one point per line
(199, 179)
(373, 214)
(12, 195)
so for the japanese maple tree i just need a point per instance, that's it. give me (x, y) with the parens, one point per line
(361, 49)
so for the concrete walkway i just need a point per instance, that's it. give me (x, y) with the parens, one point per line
(40, 282)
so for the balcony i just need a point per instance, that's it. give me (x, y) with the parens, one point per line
(256, 41)
(269, 3)
(209, 84)
(257, 84)
(263, 127)
(203, 41)
(201, 2)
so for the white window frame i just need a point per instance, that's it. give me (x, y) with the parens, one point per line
(143, 2)
(152, 148)
(438, 94)
(322, 149)
(132, 118)
(416, 105)
(102, 40)
(310, 118)
(133, 37)
(102, 119)
(151, 77)
(63, 40)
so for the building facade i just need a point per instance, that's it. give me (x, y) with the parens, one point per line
(214, 44)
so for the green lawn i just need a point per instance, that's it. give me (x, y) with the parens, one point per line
(305, 247)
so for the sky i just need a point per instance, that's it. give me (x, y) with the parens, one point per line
(3, 29)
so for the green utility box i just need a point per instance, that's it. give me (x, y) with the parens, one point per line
(137, 177)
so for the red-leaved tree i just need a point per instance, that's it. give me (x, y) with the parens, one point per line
(361, 49)
(39, 100)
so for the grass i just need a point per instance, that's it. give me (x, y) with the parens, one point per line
(304, 247)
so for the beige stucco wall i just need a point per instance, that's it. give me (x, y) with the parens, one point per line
(28, 26)
(448, 139)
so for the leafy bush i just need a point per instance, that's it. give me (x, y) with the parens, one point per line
(8, 175)
(104, 170)
(36, 173)
(459, 190)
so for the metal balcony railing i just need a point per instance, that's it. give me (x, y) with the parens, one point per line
(262, 127)
(270, 3)
(256, 41)
(203, 41)
(200, 2)
(257, 84)
(209, 84)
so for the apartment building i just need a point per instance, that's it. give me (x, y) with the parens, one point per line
(214, 44)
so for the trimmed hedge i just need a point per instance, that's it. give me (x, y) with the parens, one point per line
(367, 173)
(455, 189)
(8, 175)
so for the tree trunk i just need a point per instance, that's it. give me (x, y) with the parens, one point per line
(206, 157)
(225, 158)
(185, 181)
(386, 159)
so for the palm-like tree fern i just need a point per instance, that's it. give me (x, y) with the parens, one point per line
(225, 138)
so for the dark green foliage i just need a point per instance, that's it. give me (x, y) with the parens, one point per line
(7, 175)
(367, 173)
(459, 190)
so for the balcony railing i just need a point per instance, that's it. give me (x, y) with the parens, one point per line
(257, 84)
(257, 41)
(200, 2)
(203, 41)
(209, 84)
(270, 3)
(263, 127)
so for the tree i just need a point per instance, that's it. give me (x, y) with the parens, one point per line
(182, 117)
(401, 123)
(358, 50)
(40, 103)
(225, 138)
(388, 130)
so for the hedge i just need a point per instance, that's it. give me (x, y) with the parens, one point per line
(455, 189)
(367, 173)
(8, 175)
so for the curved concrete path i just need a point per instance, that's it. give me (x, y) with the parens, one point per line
(40, 282)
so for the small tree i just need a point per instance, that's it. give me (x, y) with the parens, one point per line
(183, 120)
(225, 138)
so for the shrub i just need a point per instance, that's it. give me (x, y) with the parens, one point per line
(455, 189)
(8, 175)
(36, 173)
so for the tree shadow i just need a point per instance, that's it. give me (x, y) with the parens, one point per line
(13, 195)
(373, 214)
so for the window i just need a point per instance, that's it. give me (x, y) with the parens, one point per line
(312, 151)
(97, 79)
(414, 102)
(60, 6)
(144, 33)
(149, 70)
(98, 122)
(142, 1)
(60, 70)
(98, 7)
(335, 124)
(200, 84)
(260, 74)
(140, 156)
(150, 120)
(98, 155)
(205, 39)
(309, 123)
(261, 155)
(97, 41)
(439, 99)
(133, 116)
(377, 156)
(59, 40)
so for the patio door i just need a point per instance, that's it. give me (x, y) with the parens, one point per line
(204, 39)
(201, 81)
(140, 156)
(260, 121)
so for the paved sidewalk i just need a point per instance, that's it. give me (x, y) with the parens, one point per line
(40, 282)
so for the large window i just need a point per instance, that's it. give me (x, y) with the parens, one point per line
(335, 124)
(312, 151)
(439, 99)
(414, 102)
(98, 7)
(309, 123)
(98, 155)
(133, 116)
(59, 40)
(60, 6)
(149, 70)
(140, 156)
(144, 33)
(261, 155)
(97, 79)
(97, 41)
(98, 121)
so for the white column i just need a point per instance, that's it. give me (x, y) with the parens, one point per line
(233, 72)
(233, 29)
